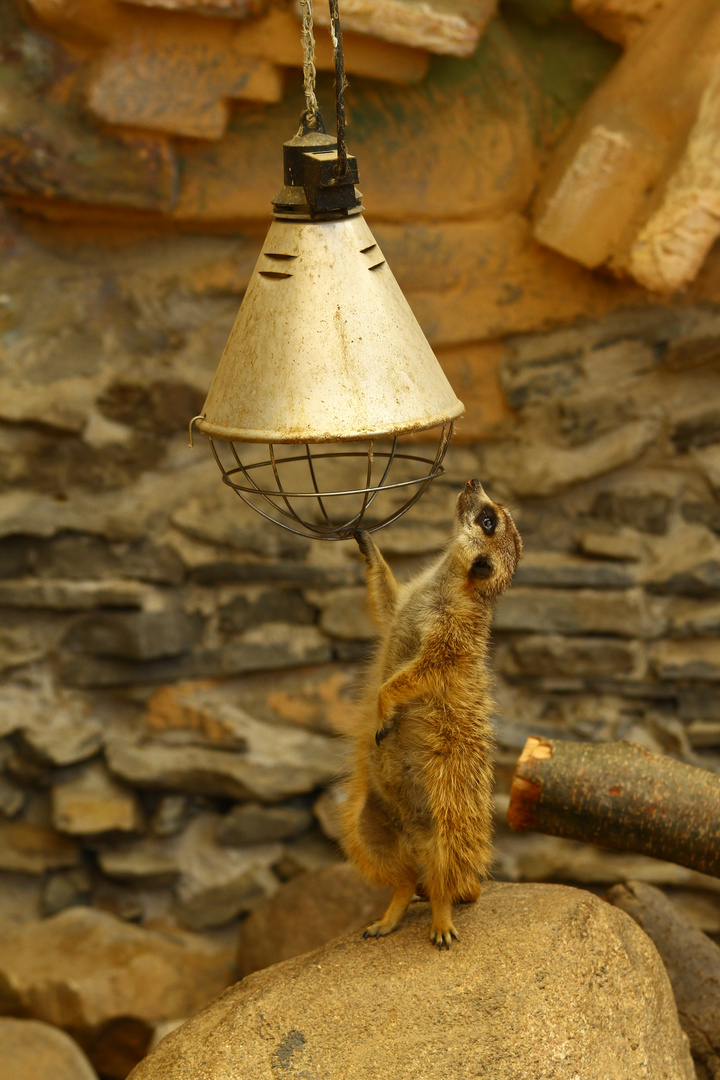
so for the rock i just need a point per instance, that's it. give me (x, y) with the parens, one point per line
(136, 635)
(619, 20)
(634, 506)
(326, 809)
(256, 824)
(536, 475)
(311, 851)
(698, 428)
(91, 802)
(691, 618)
(33, 849)
(535, 857)
(597, 991)
(56, 725)
(208, 746)
(623, 613)
(106, 982)
(12, 797)
(692, 962)
(671, 246)
(219, 519)
(453, 28)
(704, 733)
(548, 656)
(625, 545)
(32, 1050)
(218, 883)
(694, 659)
(149, 863)
(306, 912)
(558, 570)
(171, 815)
(264, 648)
(286, 605)
(72, 595)
(231, 181)
(709, 462)
(79, 163)
(65, 890)
(344, 615)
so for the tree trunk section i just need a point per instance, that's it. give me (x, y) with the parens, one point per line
(620, 796)
(692, 962)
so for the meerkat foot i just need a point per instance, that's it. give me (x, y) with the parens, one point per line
(393, 916)
(363, 541)
(441, 936)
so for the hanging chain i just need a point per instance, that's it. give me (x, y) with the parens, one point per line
(308, 44)
(340, 84)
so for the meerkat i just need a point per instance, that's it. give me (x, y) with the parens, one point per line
(418, 816)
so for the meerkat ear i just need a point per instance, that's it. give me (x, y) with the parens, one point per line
(481, 568)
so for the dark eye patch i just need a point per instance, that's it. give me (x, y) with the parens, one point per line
(487, 520)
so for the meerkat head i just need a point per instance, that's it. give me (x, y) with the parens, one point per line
(486, 540)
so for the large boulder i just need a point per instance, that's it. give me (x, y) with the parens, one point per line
(31, 1050)
(546, 982)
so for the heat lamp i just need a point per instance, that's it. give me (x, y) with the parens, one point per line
(326, 371)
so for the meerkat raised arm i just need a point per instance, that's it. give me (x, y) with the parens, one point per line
(381, 584)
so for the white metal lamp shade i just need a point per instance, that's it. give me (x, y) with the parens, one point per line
(325, 347)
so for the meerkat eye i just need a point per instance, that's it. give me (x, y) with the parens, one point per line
(487, 520)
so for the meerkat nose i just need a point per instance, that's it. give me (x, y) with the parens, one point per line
(477, 488)
(474, 484)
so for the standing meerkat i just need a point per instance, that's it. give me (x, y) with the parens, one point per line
(419, 811)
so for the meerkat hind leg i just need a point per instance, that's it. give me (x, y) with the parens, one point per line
(396, 909)
(442, 930)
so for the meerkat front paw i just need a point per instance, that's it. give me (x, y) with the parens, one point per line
(442, 935)
(379, 929)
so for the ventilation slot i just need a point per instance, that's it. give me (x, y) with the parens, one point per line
(377, 265)
(277, 255)
(364, 251)
(274, 274)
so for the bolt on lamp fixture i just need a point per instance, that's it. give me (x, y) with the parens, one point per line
(325, 358)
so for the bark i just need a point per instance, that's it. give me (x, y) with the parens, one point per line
(692, 962)
(619, 796)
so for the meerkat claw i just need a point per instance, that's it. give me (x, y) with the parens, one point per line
(442, 938)
(382, 733)
(362, 539)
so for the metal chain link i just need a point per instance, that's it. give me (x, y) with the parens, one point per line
(309, 73)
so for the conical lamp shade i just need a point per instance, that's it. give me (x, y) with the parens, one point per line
(325, 346)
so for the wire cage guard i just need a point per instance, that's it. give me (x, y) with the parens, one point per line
(277, 504)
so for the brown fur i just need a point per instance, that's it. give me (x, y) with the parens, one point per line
(419, 812)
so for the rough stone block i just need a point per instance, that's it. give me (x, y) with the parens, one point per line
(33, 849)
(281, 605)
(619, 20)
(536, 475)
(93, 802)
(256, 824)
(622, 613)
(219, 883)
(344, 615)
(697, 659)
(136, 635)
(209, 746)
(453, 28)
(547, 656)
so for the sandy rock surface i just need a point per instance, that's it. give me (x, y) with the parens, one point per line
(31, 1050)
(546, 982)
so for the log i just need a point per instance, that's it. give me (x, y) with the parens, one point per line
(692, 961)
(620, 796)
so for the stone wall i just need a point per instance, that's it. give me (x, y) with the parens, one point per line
(175, 672)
